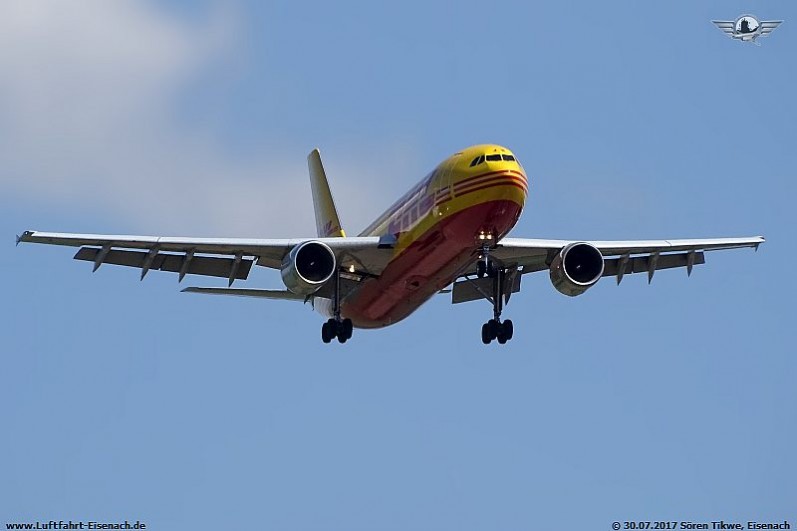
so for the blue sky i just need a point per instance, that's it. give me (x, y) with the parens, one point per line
(127, 399)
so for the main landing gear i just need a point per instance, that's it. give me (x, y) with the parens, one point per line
(342, 329)
(336, 327)
(495, 328)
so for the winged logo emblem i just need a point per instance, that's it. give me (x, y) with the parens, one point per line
(747, 28)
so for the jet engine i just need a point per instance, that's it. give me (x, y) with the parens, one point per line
(576, 268)
(307, 267)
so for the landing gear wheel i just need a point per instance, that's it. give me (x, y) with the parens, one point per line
(346, 328)
(486, 338)
(492, 329)
(337, 329)
(326, 333)
(508, 329)
(481, 269)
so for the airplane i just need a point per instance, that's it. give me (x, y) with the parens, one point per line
(445, 235)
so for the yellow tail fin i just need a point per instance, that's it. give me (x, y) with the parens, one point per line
(326, 215)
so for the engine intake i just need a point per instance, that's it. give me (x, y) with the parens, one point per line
(576, 268)
(307, 267)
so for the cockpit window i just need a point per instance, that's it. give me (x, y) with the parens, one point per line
(508, 157)
(478, 160)
(493, 157)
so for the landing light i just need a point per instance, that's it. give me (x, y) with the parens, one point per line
(351, 268)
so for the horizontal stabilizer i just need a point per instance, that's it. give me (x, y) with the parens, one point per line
(260, 293)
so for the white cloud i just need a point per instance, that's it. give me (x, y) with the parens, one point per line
(87, 120)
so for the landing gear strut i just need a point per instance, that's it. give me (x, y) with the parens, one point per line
(336, 326)
(485, 267)
(495, 328)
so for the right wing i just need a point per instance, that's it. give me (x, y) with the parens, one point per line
(230, 258)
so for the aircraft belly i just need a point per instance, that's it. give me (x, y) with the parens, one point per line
(427, 265)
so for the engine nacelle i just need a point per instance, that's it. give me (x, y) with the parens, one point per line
(576, 268)
(307, 267)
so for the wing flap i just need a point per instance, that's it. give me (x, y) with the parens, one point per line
(641, 264)
(198, 265)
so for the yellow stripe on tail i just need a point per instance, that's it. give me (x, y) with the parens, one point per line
(326, 215)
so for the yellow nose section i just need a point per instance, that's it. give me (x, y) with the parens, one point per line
(489, 173)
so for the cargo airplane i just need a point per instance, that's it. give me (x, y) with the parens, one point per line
(447, 234)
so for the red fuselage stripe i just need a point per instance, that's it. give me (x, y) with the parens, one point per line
(445, 190)
(500, 181)
(491, 180)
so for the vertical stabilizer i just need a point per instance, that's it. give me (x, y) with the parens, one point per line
(326, 215)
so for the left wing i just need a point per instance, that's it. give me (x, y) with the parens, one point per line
(632, 256)
(230, 258)
(518, 256)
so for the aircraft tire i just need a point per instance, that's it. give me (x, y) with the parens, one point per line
(508, 329)
(494, 328)
(347, 328)
(486, 334)
(326, 335)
